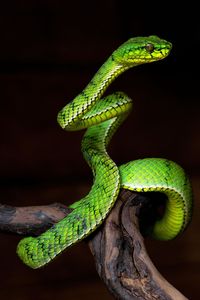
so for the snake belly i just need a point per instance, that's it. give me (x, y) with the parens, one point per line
(102, 117)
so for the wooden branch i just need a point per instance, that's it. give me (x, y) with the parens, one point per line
(31, 220)
(121, 258)
(117, 246)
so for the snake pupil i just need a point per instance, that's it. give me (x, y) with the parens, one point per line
(149, 47)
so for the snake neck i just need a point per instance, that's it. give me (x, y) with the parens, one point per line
(108, 72)
(71, 114)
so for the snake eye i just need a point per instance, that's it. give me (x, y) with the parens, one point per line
(149, 47)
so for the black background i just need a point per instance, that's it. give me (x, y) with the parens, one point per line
(49, 50)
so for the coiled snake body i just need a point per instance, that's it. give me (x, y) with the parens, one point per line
(102, 117)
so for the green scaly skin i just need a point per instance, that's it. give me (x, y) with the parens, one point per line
(102, 118)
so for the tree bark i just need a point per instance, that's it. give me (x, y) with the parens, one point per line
(118, 247)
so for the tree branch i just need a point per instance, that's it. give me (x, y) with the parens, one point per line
(31, 220)
(117, 246)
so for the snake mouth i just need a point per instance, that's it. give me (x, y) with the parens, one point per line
(160, 51)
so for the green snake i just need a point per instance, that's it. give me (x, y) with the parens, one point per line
(102, 117)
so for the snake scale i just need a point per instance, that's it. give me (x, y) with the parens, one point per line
(102, 117)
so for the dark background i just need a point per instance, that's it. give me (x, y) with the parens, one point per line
(49, 50)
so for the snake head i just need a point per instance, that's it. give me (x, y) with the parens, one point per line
(140, 50)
